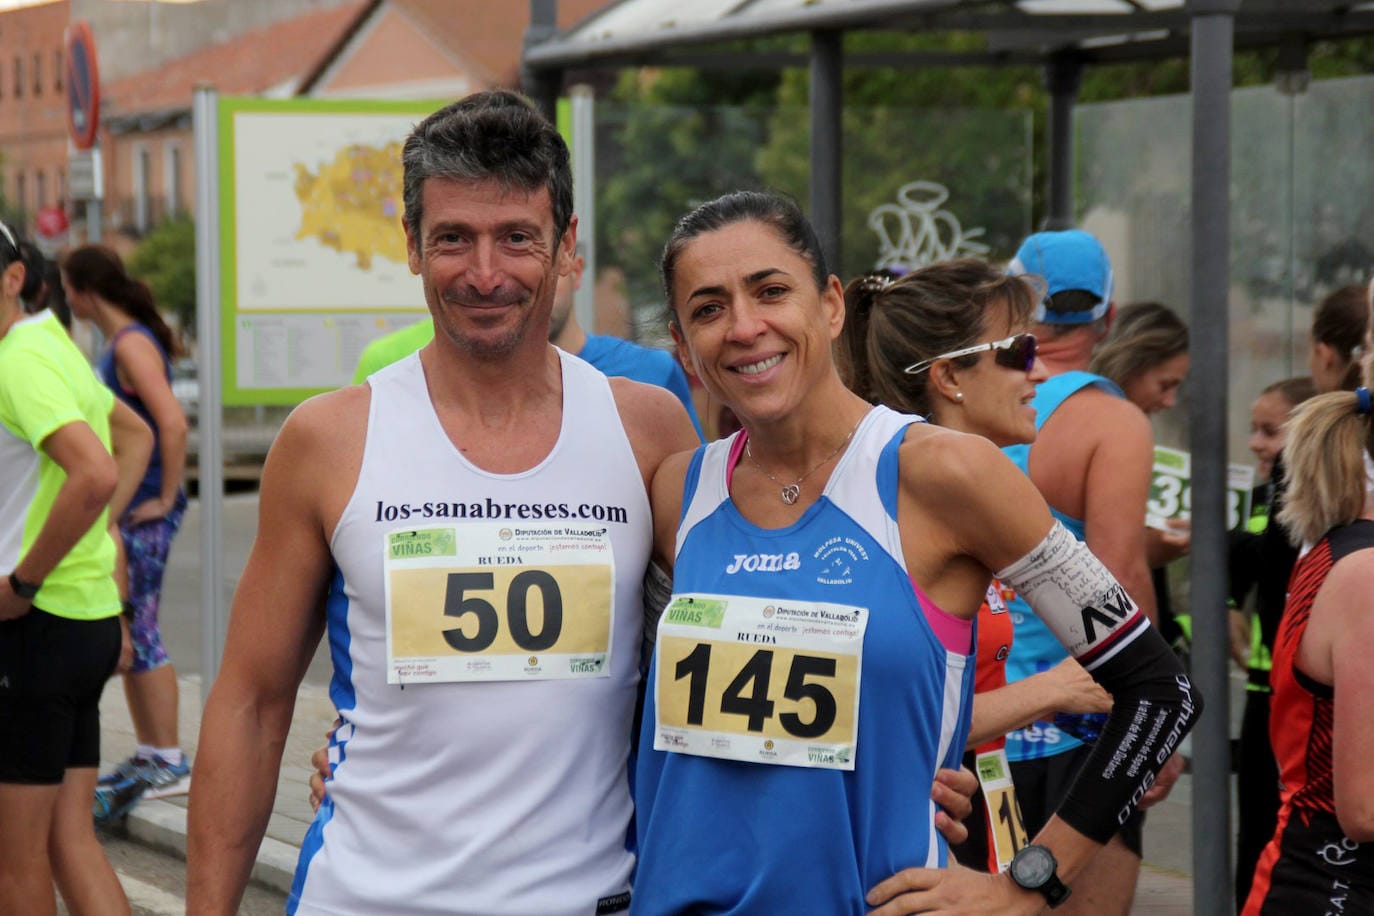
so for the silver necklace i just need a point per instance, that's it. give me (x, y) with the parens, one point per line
(791, 492)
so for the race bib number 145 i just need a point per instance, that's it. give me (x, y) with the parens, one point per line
(498, 602)
(759, 680)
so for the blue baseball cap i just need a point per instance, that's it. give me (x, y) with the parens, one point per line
(1070, 259)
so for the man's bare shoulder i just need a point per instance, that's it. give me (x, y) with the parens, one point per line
(654, 419)
(335, 419)
(1095, 415)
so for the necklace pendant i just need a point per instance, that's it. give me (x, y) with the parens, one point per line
(790, 493)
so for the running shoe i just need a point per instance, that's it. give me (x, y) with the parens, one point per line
(163, 779)
(113, 800)
(124, 770)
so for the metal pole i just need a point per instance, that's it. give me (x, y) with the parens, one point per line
(1063, 76)
(541, 85)
(1212, 39)
(584, 200)
(827, 66)
(210, 460)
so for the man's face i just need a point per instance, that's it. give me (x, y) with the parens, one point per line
(489, 262)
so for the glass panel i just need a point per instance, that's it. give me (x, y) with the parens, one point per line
(917, 186)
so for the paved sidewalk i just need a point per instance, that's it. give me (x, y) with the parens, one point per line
(1165, 883)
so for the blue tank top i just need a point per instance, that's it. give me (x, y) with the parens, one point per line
(1035, 648)
(151, 485)
(725, 836)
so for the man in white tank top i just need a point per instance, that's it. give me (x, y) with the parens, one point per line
(472, 529)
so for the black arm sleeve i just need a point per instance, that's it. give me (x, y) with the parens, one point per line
(1155, 706)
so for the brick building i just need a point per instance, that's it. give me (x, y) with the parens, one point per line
(33, 109)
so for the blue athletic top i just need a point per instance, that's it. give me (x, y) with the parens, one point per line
(1035, 648)
(724, 836)
(151, 485)
(616, 357)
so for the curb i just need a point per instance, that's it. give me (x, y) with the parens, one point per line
(161, 825)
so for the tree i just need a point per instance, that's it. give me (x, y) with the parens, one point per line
(166, 261)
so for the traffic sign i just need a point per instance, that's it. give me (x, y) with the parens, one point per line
(83, 85)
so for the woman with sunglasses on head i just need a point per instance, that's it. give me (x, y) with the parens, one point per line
(812, 667)
(136, 365)
(921, 345)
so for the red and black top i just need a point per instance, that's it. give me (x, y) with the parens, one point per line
(1309, 865)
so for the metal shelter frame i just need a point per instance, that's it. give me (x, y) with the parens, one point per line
(1064, 36)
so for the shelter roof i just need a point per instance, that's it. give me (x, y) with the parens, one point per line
(640, 32)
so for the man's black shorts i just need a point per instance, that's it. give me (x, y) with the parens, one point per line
(52, 672)
(1041, 785)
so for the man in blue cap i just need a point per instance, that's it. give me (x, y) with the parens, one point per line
(1092, 461)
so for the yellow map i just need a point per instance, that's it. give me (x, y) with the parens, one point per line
(353, 204)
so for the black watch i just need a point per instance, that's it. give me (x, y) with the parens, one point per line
(1033, 869)
(23, 589)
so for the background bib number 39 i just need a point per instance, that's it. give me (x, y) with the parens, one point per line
(498, 602)
(759, 680)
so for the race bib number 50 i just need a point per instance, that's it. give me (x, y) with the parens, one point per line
(497, 602)
(759, 680)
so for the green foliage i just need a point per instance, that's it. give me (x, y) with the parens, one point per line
(166, 261)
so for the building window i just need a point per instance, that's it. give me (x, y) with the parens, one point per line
(61, 187)
(21, 191)
(18, 77)
(40, 182)
(57, 70)
(37, 75)
(171, 178)
(142, 174)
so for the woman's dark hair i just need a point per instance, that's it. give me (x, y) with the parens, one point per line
(891, 324)
(1143, 336)
(95, 268)
(770, 208)
(1339, 321)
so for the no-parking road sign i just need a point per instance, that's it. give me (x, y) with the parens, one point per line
(83, 85)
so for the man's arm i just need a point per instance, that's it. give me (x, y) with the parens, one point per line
(80, 503)
(273, 631)
(1116, 489)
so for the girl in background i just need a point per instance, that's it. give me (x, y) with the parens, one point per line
(136, 365)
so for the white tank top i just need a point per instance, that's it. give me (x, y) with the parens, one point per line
(486, 796)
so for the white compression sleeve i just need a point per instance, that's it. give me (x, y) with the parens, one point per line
(1077, 597)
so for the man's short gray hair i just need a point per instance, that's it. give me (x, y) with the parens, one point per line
(495, 135)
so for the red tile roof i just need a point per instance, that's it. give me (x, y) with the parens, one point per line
(487, 34)
(251, 63)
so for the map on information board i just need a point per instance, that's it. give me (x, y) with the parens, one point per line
(313, 256)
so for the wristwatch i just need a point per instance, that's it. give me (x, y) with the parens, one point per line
(1033, 868)
(23, 589)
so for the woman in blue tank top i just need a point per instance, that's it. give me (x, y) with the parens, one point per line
(813, 667)
(136, 365)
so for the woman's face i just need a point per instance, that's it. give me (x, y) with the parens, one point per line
(996, 402)
(751, 323)
(1156, 388)
(1267, 416)
(78, 302)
